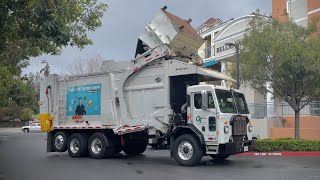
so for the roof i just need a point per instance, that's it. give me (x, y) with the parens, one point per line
(181, 22)
(210, 22)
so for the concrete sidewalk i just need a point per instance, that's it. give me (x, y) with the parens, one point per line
(287, 153)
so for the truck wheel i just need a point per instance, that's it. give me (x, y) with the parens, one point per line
(141, 148)
(78, 145)
(219, 157)
(118, 150)
(26, 130)
(129, 149)
(135, 143)
(100, 146)
(187, 150)
(60, 141)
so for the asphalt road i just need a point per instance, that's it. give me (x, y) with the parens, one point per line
(23, 156)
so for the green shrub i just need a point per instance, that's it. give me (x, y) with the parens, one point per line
(285, 139)
(287, 144)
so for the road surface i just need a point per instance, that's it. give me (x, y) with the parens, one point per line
(23, 156)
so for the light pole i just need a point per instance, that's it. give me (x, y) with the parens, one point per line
(237, 46)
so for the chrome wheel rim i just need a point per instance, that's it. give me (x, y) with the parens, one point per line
(74, 145)
(59, 142)
(96, 146)
(185, 150)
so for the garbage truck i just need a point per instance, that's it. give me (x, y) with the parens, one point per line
(162, 98)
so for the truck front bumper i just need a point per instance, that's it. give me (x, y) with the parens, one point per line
(237, 147)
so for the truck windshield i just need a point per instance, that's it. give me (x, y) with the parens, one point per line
(241, 103)
(230, 102)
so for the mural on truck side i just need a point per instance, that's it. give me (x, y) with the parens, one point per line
(83, 101)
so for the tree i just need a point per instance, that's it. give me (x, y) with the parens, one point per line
(26, 114)
(15, 93)
(5, 84)
(285, 57)
(84, 66)
(35, 79)
(29, 28)
(46, 69)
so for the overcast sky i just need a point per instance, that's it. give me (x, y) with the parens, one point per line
(125, 20)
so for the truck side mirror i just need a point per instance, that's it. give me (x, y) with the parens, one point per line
(204, 95)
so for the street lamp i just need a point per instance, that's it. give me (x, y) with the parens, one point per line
(237, 46)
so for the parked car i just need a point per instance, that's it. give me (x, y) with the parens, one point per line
(35, 127)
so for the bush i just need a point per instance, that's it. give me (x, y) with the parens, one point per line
(287, 144)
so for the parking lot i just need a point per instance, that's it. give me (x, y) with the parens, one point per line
(23, 156)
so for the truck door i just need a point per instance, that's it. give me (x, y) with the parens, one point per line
(204, 119)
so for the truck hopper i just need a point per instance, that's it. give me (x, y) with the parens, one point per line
(176, 33)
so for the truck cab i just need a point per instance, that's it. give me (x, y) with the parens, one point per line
(221, 121)
(213, 107)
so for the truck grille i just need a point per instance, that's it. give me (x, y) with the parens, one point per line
(239, 127)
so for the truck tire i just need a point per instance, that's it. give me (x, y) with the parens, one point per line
(25, 130)
(219, 157)
(135, 143)
(60, 140)
(187, 150)
(134, 148)
(100, 146)
(78, 145)
(141, 148)
(118, 150)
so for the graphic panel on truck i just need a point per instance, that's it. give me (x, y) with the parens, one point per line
(83, 100)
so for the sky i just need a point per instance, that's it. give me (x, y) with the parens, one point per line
(125, 20)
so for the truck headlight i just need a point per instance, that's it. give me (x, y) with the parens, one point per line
(226, 129)
(250, 128)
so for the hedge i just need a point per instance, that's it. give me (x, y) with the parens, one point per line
(267, 145)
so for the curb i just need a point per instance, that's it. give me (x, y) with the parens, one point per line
(300, 153)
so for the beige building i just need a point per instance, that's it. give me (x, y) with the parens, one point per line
(217, 55)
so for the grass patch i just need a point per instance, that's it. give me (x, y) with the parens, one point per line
(287, 144)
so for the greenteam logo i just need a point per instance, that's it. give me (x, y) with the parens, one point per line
(198, 119)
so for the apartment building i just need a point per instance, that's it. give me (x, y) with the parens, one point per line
(299, 11)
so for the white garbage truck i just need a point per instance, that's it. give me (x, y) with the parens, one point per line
(163, 98)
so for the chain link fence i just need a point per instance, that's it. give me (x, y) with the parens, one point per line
(260, 110)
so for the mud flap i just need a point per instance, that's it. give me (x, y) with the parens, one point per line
(50, 142)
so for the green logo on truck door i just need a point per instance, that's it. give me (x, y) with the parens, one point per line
(198, 119)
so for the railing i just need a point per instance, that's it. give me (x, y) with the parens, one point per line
(260, 110)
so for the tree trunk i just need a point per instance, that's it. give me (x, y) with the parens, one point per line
(296, 125)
